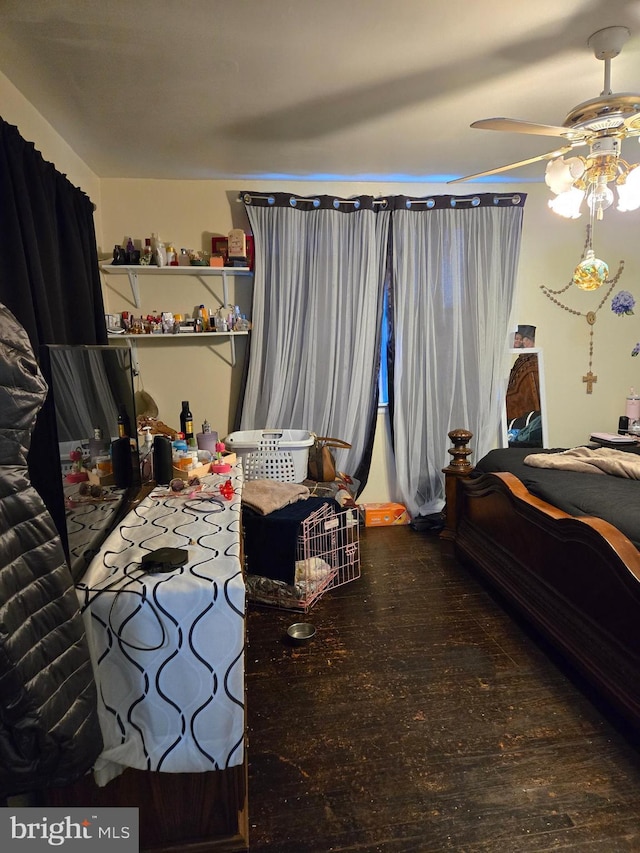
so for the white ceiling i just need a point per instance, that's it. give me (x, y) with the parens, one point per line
(311, 89)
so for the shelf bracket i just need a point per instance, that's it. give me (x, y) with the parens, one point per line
(133, 284)
(232, 361)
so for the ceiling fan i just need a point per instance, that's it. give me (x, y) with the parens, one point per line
(601, 124)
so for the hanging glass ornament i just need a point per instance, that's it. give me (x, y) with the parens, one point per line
(591, 272)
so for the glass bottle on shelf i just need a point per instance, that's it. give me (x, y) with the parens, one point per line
(203, 313)
(146, 258)
(186, 422)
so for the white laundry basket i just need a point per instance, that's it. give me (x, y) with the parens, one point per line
(272, 454)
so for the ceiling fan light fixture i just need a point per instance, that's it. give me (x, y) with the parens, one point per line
(568, 203)
(600, 171)
(603, 123)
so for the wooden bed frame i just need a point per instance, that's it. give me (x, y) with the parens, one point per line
(576, 580)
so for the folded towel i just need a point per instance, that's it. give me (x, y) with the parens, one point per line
(603, 460)
(266, 496)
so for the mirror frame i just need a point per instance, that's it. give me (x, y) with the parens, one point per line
(44, 460)
(515, 351)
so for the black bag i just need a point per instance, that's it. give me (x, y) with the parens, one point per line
(322, 462)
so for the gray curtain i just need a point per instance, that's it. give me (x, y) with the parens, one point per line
(88, 384)
(454, 273)
(318, 283)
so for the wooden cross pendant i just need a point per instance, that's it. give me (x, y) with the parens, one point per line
(590, 378)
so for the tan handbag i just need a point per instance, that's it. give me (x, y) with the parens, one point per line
(322, 463)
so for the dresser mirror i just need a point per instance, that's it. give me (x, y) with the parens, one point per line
(525, 405)
(90, 403)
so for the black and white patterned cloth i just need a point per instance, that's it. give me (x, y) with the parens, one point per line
(87, 521)
(168, 647)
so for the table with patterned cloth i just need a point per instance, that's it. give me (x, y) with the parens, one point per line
(167, 647)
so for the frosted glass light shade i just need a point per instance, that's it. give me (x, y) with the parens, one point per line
(560, 174)
(629, 191)
(567, 203)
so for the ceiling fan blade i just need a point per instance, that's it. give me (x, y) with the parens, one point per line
(514, 125)
(551, 155)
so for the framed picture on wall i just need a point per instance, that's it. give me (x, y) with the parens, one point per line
(524, 337)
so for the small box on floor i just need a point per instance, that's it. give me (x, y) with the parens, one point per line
(384, 514)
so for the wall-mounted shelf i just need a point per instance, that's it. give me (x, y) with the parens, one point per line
(133, 272)
(132, 342)
(177, 337)
(203, 273)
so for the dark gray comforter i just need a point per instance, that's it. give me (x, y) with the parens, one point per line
(614, 499)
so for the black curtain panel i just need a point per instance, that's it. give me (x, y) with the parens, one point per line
(49, 277)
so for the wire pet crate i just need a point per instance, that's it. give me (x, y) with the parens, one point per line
(327, 556)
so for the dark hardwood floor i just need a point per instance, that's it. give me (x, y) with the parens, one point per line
(424, 717)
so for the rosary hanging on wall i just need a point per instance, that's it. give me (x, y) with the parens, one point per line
(590, 274)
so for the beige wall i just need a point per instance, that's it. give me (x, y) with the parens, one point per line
(189, 212)
(551, 247)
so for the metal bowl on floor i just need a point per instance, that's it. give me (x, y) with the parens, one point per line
(300, 632)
